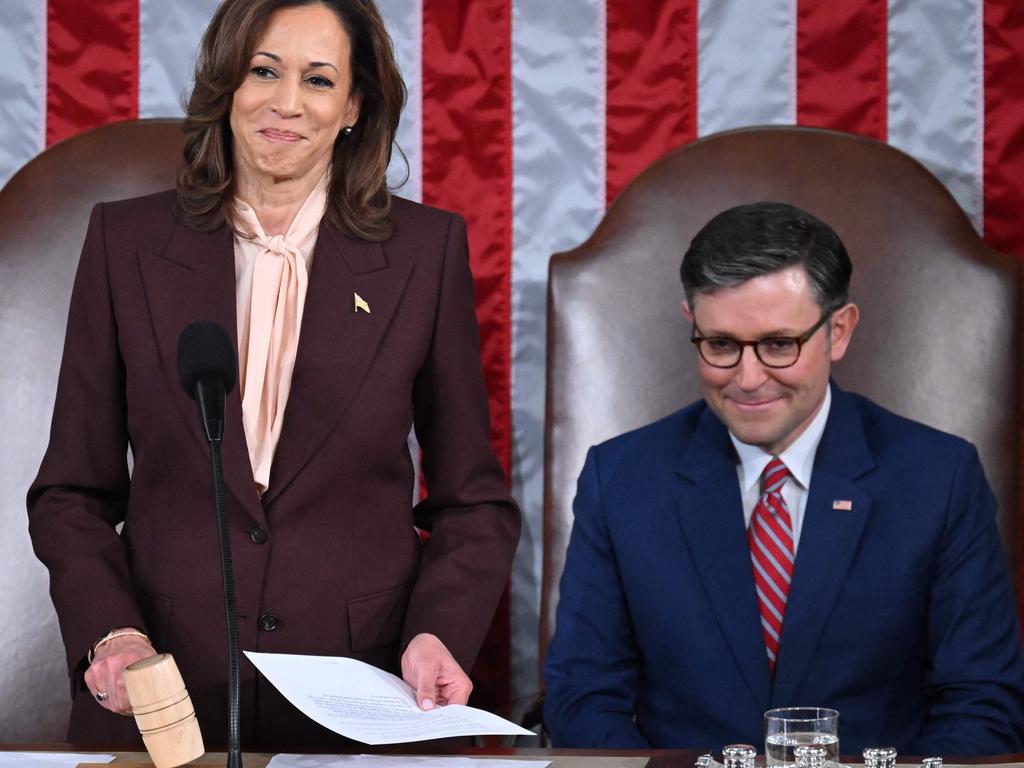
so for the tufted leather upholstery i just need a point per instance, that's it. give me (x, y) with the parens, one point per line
(44, 211)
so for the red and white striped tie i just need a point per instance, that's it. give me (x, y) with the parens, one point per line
(771, 551)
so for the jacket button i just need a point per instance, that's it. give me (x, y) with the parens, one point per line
(268, 622)
(258, 535)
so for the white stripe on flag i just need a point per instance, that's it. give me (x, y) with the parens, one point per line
(404, 19)
(746, 70)
(936, 92)
(558, 98)
(169, 35)
(22, 84)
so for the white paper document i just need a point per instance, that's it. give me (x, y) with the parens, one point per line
(368, 704)
(399, 761)
(49, 759)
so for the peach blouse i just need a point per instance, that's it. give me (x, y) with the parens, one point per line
(271, 274)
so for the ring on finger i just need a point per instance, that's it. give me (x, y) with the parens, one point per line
(102, 696)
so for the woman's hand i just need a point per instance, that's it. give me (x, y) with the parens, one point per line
(105, 674)
(435, 674)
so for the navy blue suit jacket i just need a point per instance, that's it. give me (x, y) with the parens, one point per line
(900, 613)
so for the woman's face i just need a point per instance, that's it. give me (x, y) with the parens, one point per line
(296, 97)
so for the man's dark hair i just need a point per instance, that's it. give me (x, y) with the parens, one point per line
(753, 240)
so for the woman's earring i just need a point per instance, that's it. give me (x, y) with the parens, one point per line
(347, 130)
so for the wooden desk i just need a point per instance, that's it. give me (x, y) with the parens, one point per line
(560, 758)
(590, 760)
(580, 758)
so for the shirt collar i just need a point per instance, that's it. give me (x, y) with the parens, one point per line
(798, 457)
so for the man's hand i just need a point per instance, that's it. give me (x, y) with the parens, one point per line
(429, 668)
(105, 674)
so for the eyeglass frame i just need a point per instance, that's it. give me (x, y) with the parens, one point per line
(743, 344)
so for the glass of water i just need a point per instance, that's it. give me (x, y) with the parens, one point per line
(787, 728)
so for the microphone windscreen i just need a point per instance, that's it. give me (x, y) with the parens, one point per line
(205, 351)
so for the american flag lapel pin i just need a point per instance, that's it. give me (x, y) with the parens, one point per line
(360, 303)
(843, 505)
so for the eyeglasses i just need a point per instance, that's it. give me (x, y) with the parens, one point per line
(772, 351)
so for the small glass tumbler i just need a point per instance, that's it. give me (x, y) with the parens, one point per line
(787, 728)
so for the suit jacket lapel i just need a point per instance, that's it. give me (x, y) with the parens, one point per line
(336, 344)
(828, 542)
(193, 278)
(711, 516)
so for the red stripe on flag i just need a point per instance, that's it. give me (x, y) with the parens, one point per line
(1004, 141)
(92, 65)
(467, 167)
(1004, 126)
(841, 60)
(651, 84)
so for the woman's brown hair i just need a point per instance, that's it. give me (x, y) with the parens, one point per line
(360, 202)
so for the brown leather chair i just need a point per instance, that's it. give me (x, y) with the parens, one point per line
(44, 211)
(938, 340)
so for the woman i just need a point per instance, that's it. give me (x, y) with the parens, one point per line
(281, 221)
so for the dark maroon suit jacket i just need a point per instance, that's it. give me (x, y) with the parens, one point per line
(340, 565)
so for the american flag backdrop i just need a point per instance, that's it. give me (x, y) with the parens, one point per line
(530, 116)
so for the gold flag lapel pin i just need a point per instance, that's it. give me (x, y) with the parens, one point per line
(359, 303)
(843, 505)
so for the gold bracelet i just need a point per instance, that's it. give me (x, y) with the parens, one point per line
(112, 635)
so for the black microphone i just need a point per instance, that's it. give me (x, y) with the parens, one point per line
(208, 367)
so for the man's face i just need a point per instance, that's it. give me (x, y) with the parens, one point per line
(769, 407)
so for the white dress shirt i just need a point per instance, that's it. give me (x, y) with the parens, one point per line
(799, 460)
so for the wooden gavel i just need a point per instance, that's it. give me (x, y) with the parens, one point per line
(163, 711)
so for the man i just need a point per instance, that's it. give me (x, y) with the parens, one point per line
(782, 542)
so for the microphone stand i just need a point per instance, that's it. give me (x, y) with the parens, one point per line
(214, 429)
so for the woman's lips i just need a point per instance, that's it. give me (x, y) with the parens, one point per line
(275, 135)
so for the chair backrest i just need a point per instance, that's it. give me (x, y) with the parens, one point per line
(44, 211)
(938, 340)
